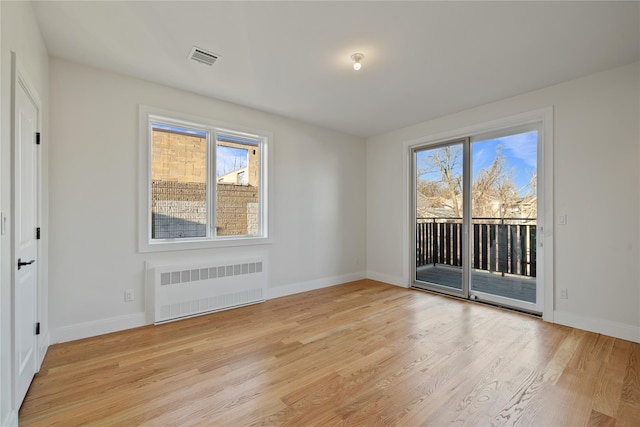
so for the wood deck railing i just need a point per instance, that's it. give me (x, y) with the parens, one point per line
(504, 245)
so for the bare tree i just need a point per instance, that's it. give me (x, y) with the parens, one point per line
(529, 199)
(484, 186)
(431, 189)
(494, 194)
(445, 162)
(230, 163)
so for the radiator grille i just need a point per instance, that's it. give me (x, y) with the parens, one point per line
(186, 276)
(180, 291)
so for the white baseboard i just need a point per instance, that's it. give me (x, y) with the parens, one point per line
(325, 282)
(600, 326)
(98, 327)
(10, 420)
(386, 278)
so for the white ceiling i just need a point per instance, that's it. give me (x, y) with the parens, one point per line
(422, 59)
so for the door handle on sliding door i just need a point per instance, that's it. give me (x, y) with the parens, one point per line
(541, 236)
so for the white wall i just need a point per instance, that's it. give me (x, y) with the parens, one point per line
(318, 199)
(20, 34)
(596, 184)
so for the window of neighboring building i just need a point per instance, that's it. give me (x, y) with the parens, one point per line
(205, 185)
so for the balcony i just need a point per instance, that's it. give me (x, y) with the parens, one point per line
(503, 255)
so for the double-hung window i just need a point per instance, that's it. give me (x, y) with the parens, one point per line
(203, 184)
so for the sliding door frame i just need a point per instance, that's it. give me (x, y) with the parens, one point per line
(466, 217)
(545, 233)
(534, 308)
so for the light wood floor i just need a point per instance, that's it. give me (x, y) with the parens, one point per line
(360, 354)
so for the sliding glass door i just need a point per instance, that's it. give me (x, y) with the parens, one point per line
(439, 204)
(504, 173)
(475, 204)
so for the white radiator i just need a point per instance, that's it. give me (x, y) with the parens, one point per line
(178, 291)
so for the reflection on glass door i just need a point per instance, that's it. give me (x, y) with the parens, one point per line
(504, 217)
(439, 209)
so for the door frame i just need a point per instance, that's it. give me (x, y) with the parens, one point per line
(465, 250)
(545, 211)
(20, 79)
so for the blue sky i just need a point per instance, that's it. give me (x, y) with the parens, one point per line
(229, 159)
(519, 151)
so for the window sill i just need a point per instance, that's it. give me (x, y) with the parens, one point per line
(167, 246)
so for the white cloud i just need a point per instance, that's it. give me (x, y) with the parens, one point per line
(522, 146)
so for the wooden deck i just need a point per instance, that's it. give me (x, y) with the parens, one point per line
(359, 354)
(514, 287)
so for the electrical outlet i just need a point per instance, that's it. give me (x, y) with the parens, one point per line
(564, 294)
(128, 295)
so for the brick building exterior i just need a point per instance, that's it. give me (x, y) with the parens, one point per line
(179, 176)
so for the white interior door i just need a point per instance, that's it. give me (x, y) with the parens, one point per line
(25, 222)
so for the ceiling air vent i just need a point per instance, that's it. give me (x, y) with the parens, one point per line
(202, 56)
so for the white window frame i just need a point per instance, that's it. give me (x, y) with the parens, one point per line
(149, 115)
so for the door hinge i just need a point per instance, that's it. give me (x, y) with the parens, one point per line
(38, 233)
(38, 138)
(38, 328)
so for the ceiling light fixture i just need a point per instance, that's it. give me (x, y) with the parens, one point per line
(357, 57)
